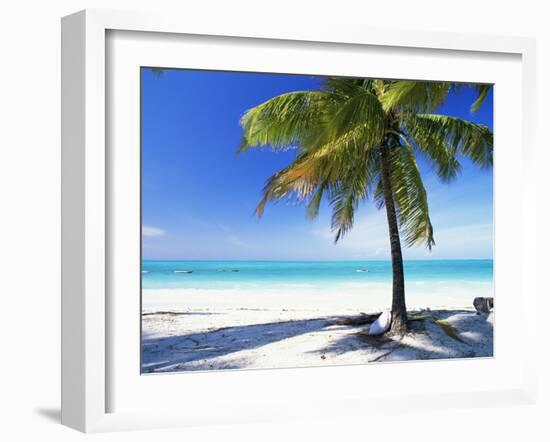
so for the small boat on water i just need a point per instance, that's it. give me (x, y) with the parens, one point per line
(228, 270)
(362, 271)
(183, 271)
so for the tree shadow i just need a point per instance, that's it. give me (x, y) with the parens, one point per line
(159, 353)
(475, 331)
(378, 348)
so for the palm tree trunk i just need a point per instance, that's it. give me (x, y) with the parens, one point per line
(398, 308)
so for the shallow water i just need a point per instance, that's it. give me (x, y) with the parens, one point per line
(450, 281)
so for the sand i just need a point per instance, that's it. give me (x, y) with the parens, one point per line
(185, 331)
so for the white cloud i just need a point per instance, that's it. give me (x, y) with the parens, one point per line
(468, 240)
(369, 239)
(231, 238)
(236, 241)
(151, 231)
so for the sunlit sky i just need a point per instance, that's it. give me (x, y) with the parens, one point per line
(198, 197)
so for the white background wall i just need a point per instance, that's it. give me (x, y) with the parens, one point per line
(30, 220)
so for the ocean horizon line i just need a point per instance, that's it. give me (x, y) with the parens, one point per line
(314, 260)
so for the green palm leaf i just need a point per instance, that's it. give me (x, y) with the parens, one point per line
(410, 197)
(472, 140)
(482, 92)
(414, 96)
(350, 189)
(283, 121)
(360, 110)
(435, 150)
(337, 131)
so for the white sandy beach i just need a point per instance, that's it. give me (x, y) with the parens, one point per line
(204, 330)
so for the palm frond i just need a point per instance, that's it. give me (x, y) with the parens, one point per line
(472, 140)
(345, 175)
(410, 198)
(414, 96)
(435, 150)
(296, 181)
(346, 87)
(315, 202)
(283, 121)
(344, 203)
(378, 195)
(309, 174)
(361, 110)
(338, 132)
(348, 191)
(157, 72)
(482, 92)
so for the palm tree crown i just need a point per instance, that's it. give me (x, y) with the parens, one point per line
(338, 130)
(358, 139)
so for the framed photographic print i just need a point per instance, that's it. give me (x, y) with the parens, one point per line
(262, 212)
(222, 291)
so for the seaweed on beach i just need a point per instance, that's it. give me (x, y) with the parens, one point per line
(445, 325)
(448, 329)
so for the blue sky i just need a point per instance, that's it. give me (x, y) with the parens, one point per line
(198, 197)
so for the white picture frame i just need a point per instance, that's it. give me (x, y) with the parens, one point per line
(86, 315)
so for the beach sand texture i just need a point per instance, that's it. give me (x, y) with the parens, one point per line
(186, 331)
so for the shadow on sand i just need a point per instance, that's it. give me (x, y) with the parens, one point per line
(426, 340)
(159, 353)
(435, 345)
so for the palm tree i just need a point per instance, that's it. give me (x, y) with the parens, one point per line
(358, 139)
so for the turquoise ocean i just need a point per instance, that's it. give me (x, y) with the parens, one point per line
(458, 280)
